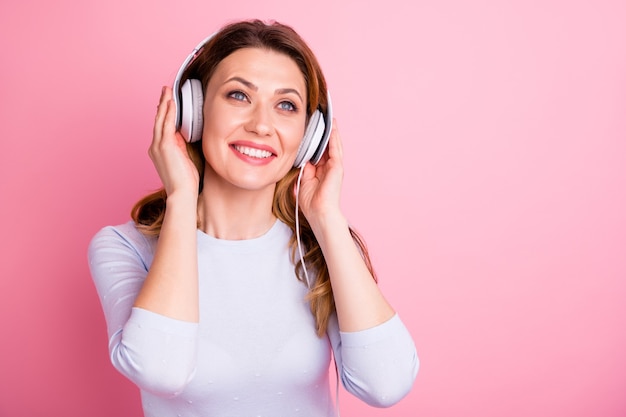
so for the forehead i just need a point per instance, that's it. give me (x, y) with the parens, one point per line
(261, 65)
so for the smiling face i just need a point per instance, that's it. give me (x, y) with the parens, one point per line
(254, 119)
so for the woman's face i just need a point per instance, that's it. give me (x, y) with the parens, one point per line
(254, 118)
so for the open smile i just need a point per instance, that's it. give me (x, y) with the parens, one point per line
(253, 152)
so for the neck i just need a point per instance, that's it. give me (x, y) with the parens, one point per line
(235, 214)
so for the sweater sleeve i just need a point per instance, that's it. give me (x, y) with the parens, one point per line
(157, 353)
(377, 365)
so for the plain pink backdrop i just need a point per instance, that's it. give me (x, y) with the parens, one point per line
(485, 149)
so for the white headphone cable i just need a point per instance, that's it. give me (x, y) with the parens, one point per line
(306, 274)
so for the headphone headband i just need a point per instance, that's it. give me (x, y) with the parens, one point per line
(179, 75)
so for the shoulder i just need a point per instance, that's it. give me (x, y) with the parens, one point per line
(123, 238)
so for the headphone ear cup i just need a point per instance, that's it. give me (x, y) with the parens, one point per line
(192, 101)
(325, 134)
(311, 140)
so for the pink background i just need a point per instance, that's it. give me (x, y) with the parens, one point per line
(485, 161)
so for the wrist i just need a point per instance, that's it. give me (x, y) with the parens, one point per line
(330, 222)
(182, 196)
(182, 202)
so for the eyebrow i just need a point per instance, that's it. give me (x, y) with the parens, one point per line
(255, 88)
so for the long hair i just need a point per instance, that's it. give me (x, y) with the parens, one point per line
(148, 212)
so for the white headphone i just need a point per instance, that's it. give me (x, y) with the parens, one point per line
(189, 99)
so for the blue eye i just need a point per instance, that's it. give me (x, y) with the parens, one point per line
(287, 106)
(237, 95)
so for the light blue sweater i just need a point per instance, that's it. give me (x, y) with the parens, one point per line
(254, 351)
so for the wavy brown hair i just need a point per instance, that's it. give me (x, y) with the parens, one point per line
(148, 212)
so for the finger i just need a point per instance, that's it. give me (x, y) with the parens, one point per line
(169, 122)
(335, 145)
(161, 107)
(310, 170)
(160, 115)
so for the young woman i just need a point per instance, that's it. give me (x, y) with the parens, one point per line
(232, 286)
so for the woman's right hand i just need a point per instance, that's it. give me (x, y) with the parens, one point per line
(168, 150)
(171, 286)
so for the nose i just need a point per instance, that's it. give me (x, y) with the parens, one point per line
(260, 120)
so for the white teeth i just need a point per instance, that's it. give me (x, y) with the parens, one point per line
(255, 153)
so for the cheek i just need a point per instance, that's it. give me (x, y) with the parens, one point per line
(295, 135)
(215, 129)
(212, 149)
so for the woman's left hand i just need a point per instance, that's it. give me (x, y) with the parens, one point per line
(358, 301)
(320, 187)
